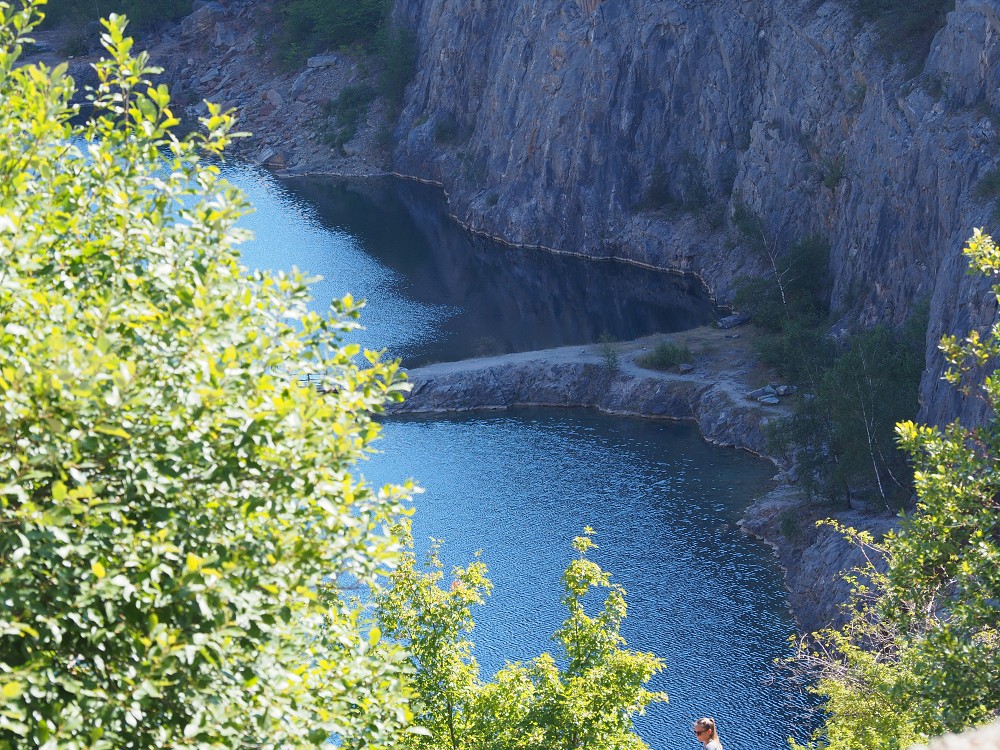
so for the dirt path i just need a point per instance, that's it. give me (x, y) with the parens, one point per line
(722, 360)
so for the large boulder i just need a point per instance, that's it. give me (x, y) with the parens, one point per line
(984, 738)
(202, 22)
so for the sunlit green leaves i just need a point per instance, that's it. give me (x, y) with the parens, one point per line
(921, 653)
(585, 699)
(171, 495)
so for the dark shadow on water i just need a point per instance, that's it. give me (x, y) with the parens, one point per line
(507, 299)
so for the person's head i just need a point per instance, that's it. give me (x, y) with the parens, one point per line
(704, 730)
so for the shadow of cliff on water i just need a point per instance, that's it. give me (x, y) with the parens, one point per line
(509, 299)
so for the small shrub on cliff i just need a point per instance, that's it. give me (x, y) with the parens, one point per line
(832, 171)
(606, 346)
(346, 111)
(790, 525)
(141, 13)
(921, 653)
(316, 25)
(665, 356)
(397, 53)
(988, 187)
(683, 187)
(905, 27)
(450, 129)
(657, 192)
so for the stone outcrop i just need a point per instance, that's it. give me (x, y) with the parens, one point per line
(558, 378)
(814, 557)
(984, 738)
(566, 112)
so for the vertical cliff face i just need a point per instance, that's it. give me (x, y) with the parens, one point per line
(548, 121)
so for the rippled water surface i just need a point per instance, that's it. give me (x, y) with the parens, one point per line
(665, 506)
(521, 485)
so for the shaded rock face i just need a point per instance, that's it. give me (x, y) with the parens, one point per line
(548, 121)
(815, 558)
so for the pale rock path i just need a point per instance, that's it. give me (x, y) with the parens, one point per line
(711, 395)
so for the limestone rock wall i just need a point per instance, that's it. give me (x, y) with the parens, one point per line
(547, 120)
(557, 377)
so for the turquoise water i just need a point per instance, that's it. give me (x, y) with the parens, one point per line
(520, 485)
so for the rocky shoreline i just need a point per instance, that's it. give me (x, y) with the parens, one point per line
(712, 395)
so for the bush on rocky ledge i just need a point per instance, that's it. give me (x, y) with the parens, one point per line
(921, 653)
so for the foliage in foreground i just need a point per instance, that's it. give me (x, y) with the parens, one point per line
(585, 697)
(171, 495)
(921, 654)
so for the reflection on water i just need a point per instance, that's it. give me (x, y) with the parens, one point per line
(438, 293)
(289, 233)
(702, 595)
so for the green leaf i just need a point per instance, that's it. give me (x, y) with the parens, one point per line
(11, 690)
(111, 430)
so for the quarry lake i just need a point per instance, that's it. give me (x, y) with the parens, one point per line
(520, 485)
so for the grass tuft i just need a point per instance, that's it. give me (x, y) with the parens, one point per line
(665, 356)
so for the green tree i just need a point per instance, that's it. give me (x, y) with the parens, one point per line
(171, 493)
(845, 433)
(433, 624)
(585, 697)
(857, 670)
(796, 288)
(945, 584)
(319, 24)
(141, 13)
(921, 654)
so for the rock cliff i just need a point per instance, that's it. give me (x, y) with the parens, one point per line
(982, 738)
(547, 121)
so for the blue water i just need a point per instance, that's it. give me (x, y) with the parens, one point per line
(520, 485)
(437, 293)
